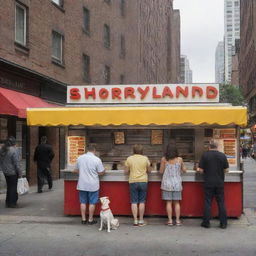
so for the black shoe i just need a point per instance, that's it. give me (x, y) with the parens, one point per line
(92, 222)
(205, 225)
(223, 226)
(12, 206)
(40, 191)
(84, 222)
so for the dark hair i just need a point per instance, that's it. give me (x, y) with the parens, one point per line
(213, 145)
(171, 152)
(91, 147)
(43, 139)
(11, 141)
(138, 149)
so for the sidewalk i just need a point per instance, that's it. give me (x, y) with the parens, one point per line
(47, 207)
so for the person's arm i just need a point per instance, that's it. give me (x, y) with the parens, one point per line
(126, 167)
(201, 167)
(162, 165)
(51, 153)
(16, 163)
(35, 154)
(100, 168)
(183, 167)
(149, 168)
(226, 165)
(76, 169)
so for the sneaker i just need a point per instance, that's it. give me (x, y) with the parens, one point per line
(205, 225)
(142, 223)
(223, 226)
(92, 222)
(135, 223)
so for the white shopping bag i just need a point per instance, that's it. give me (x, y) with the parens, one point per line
(22, 187)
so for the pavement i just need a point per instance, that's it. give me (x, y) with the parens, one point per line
(39, 227)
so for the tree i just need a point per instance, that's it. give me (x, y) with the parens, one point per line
(231, 94)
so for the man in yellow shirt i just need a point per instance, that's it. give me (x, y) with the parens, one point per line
(138, 166)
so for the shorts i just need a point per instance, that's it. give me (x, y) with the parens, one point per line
(171, 195)
(138, 192)
(88, 197)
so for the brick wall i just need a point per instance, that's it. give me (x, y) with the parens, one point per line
(144, 26)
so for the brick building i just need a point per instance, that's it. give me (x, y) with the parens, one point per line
(247, 55)
(45, 45)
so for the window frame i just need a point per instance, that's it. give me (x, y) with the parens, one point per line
(60, 4)
(122, 46)
(54, 58)
(106, 36)
(107, 71)
(87, 77)
(122, 7)
(25, 24)
(86, 27)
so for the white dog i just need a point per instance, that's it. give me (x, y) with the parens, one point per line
(106, 217)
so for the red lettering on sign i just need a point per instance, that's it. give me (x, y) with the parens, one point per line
(88, 93)
(75, 94)
(116, 92)
(103, 93)
(129, 92)
(183, 91)
(155, 95)
(211, 92)
(196, 89)
(167, 92)
(143, 92)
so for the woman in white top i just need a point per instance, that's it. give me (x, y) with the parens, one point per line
(171, 167)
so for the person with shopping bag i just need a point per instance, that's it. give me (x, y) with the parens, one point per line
(10, 166)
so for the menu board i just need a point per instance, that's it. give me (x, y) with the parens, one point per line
(157, 137)
(119, 138)
(76, 147)
(227, 143)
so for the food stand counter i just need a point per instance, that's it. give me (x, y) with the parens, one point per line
(115, 185)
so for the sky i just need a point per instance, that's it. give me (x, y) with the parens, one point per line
(202, 27)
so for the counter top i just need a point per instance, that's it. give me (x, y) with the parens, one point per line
(189, 176)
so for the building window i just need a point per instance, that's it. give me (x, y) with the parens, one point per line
(106, 36)
(20, 24)
(57, 47)
(59, 2)
(107, 75)
(86, 20)
(121, 79)
(122, 46)
(122, 7)
(86, 65)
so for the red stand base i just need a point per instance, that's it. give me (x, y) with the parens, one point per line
(191, 204)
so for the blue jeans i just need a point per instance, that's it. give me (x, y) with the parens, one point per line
(88, 197)
(138, 192)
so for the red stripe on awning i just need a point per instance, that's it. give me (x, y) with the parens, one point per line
(15, 103)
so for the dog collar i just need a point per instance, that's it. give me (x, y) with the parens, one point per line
(105, 209)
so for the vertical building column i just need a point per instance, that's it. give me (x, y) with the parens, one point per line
(53, 134)
(32, 143)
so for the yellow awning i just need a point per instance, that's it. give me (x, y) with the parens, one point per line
(168, 115)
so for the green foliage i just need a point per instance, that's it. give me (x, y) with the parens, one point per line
(231, 94)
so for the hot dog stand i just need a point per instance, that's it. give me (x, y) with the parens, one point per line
(114, 118)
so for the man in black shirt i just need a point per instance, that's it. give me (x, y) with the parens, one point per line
(43, 156)
(213, 164)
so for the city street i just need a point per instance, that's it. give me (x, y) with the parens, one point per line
(38, 228)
